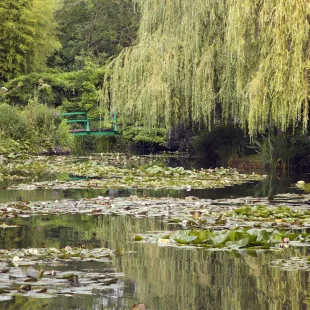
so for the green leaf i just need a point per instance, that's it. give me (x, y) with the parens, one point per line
(184, 237)
(238, 244)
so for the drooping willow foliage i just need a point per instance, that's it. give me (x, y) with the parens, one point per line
(247, 60)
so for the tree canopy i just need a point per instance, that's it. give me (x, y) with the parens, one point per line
(248, 59)
(94, 30)
(28, 35)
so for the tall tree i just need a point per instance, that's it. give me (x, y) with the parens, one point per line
(249, 57)
(45, 37)
(28, 35)
(95, 29)
(16, 37)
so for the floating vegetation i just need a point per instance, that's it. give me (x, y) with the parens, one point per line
(20, 166)
(18, 281)
(279, 215)
(73, 164)
(152, 177)
(284, 212)
(229, 239)
(292, 264)
(25, 257)
(116, 171)
(18, 275)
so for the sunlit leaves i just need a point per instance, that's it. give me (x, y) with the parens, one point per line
(231, 239)
(250, 57)
(28, 35)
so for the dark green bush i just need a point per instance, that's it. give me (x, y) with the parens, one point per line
(12, 123)
(48, 129)
(219, 146)
(76, 90)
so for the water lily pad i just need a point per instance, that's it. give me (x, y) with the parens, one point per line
(100, 175)
(41, 283)
(230, 240)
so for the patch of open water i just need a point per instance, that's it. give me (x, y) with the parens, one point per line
(265, 188)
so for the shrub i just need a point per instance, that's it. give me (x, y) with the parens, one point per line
(219, 146)
(76, 90)
(12, 123)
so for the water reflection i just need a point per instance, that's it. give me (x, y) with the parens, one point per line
(162, 277)
(266, 188)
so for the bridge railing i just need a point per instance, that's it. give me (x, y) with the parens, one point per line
(84, 123)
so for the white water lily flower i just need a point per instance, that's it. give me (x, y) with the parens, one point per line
(301, 183)
(184, 222)
(33, 251)
(16, 261)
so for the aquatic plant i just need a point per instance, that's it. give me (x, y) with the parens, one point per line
(151, 177)
(234, 239)
(19, 274)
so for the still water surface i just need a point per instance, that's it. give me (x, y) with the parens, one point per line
(159, 277)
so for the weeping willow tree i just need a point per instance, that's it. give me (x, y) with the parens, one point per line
(248, 59)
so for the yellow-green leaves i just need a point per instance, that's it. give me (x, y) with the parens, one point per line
(28, 35)
(250, 57)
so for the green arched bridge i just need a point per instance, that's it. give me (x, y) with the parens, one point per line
(81, 125)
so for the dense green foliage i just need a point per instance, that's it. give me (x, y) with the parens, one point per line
(75, 90)
(93, 31)
(281, 151)
(250, 58)
(84, 34)
(221, 145)
(28, 35)
(34, 129)
(193, 63)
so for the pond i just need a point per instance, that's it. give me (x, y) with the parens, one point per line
(158, 277)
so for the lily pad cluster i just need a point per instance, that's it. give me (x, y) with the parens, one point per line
(285, 212)
(292, 264)
(46, 284)
(232, 239)
(152, 177)
(269, 213)
(119, 171)
(20, 166)
(18, 275)
(25, 257)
